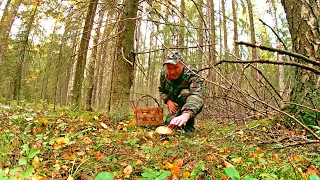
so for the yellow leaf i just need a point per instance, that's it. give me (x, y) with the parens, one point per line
(203, 141)
(39, 177)
(168, 165)
(138, 162)
(70, 177)
(264, 129)
(165, 143)
(236, 160)
(186, 174)
(44, 121)
(62, 140)
(296, 157)
(128, 170)
(36, 162)
(87, 140)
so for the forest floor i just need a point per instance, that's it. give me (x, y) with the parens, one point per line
(63, 144)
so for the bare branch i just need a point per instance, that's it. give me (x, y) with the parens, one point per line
(297, 55)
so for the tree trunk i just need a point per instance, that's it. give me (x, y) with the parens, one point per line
(225, 31)
(303, 19)
(212, 49)
(82, 53)
(201, 34)
(6, 22)
(123, 67)
(181, 28)
(23, 51)
(93, 66)
(235, 28)
(254, 72)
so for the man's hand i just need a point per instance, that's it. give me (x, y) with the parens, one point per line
(172, 106)
(180, 120)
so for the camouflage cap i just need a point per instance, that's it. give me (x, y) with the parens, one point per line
(173, 58)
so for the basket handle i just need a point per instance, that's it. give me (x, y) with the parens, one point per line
(143, 97)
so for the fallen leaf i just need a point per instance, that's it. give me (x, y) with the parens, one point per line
(39, 177)
(175, 170)
(98, 155)
(138, 162)
(168, 165)
(128, 170)
(236, 160)
(62, 140)
(186, 153)
(203, 141)
(69, 156)
(36, 162)
(264, 129)
(259, 150)
(70, 177)
(227, 164)
(312, 170)
(211, 158)
(103, 125)
(165, 143)
(275, 157)
(224, 177)
(224, 151)
(87, 140)
(296, 157)
(186, 174)
(178, 162)
(44, 121)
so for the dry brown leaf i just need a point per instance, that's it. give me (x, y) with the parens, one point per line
(69, 156)
(178, 162)
(227, 164)
(98, 155)
(259, 150)
(312, 170)
(128, 170)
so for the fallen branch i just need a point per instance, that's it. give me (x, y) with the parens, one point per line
(297, 55)
(299, 143)
(269, 62)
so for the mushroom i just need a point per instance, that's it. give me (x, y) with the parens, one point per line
(164, 130)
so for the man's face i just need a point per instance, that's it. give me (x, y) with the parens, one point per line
(174, 71)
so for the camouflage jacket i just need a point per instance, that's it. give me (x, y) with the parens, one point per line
(186, 91)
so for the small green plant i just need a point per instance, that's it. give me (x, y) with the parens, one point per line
(155, 175)
(104, 176)
(25, 168)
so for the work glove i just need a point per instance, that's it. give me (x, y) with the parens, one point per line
(180, 120)
(172, 106)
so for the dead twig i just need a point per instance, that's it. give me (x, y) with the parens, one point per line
(299, 143)
(281, 51)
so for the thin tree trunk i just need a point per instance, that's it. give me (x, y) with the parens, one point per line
(181, 29)
(254, 72)
(212, 49)
(82, 53)
(20, 61)
(93, 65)
(225, 31)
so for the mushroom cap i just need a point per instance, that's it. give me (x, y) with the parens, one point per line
(165, 130)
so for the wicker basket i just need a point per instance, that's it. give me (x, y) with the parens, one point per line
(148, 115)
